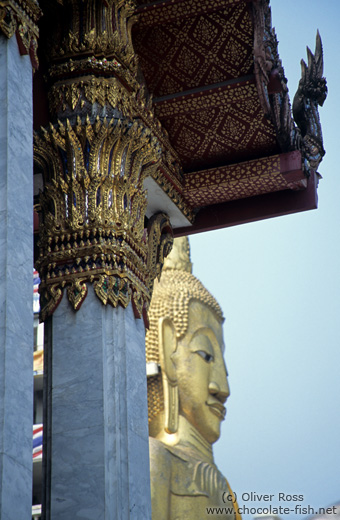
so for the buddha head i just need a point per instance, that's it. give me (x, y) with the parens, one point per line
(185, 341)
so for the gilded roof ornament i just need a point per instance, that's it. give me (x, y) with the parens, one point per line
(311, 93)
(271, 81)
(300, 128)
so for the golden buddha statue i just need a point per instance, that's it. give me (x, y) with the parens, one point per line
(187, 389)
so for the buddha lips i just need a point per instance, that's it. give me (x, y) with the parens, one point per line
(218, 409)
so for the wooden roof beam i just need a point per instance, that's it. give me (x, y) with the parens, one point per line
(234, 82)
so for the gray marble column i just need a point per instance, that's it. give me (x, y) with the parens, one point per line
(16, 286)
(97, 425)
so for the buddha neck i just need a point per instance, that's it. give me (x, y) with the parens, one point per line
(187, 437)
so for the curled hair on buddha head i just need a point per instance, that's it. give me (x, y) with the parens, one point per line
(170, 300)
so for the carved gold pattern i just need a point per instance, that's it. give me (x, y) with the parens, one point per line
(89, 52)
(104, 142)
(67, 95)
(21, 17)
(237, 181)
(8, 23)
(93, 209)
(229, 115)
(197, 58)
(178, 52)
(188, 52)
(270, 77)
(218, 125)
(265, 46)
(92, 28)
(93, 70)
(76, 294)
(159, 13)
(110, 92)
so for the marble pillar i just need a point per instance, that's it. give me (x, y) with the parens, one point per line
(16, 289)
(96, 427)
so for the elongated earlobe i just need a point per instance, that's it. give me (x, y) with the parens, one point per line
(170, 406)
(168, 344)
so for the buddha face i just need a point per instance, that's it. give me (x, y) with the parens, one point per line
(201, 372)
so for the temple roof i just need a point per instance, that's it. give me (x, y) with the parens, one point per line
(219, 90)
(212, 89)
(198, 63)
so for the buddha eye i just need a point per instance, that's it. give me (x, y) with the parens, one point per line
(207, 357)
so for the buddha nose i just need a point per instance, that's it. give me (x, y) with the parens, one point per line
(219, 386)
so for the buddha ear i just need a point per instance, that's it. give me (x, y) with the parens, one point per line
(167, 346)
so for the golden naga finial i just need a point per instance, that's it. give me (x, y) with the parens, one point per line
(311, 93)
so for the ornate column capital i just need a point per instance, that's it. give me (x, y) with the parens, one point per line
(20, 17)
(102, 143)
(91, 63)
(93, 213)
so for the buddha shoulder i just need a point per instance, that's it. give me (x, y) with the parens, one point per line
(158, 452)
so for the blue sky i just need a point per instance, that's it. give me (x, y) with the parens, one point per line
(279, 286)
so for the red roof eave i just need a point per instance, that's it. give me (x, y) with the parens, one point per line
(302, 196)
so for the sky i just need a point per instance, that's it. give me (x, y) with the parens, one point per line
(278, 284)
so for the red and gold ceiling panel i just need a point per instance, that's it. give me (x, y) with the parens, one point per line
(197, 58)
(165, 11)
(185, 51)
(217, 126)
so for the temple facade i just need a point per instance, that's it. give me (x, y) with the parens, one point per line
(147, 121)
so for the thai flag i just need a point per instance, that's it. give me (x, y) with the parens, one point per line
(36, 282)
(37, 441)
